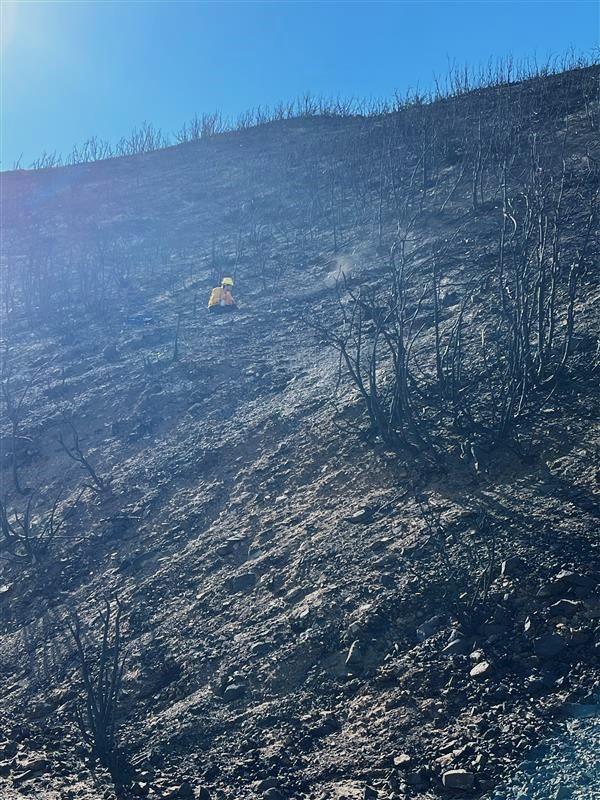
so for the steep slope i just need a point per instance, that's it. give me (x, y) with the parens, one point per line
(307, 612)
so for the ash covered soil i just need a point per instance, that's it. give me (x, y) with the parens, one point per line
(302, 617)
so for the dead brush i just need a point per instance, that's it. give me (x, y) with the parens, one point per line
(101, 661)
(27, 536)
(75, 452)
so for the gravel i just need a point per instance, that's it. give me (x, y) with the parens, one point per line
(565, 767)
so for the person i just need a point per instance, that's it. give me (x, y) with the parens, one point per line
(221, 297)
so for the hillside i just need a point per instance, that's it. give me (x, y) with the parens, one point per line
(353, 527)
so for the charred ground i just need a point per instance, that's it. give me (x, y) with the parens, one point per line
(320, 594)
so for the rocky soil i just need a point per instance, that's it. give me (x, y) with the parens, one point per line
(565, 766)
(306, 614)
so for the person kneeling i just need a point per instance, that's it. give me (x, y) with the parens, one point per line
(221, 297)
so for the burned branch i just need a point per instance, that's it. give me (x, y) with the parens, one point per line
(101, 665)
(75, 452)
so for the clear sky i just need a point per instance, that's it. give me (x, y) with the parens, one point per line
(84, 67)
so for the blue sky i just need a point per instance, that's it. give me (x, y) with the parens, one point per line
(75, 69)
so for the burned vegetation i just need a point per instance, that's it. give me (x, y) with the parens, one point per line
(342, 542)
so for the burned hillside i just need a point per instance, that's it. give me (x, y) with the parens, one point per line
(342, 542)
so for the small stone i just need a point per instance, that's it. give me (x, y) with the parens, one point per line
(481, 670)
(429, 627)
(354, 659)
(458, 779)
(8, 749)
(402, 761)
(562, 792)
(243, 582)
(567, 579)
(564, 608)
(549, 645)
(577, 579)
(492, 629)
(513, 567)
(37, 765)
(273, 794)
(418, 779)
(267, 783)
(450, 298)
(581, 636)
(458, 647)
(361, 517)
(110, 352)
(581, 710)
(393, 784)
(234, 692)
(529, 627)
(21, 777)
(259, 648)
(535, 684)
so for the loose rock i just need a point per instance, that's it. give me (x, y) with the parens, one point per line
(481, 670)
(458, 779)
(354, 660)
(243, 582)
(549, 645)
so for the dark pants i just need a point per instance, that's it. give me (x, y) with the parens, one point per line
(222, 309)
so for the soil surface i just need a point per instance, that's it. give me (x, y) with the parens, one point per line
(303, 614)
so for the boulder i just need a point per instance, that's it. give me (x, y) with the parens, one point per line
(458, 779)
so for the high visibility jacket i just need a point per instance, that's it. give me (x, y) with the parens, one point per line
(220, 297)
